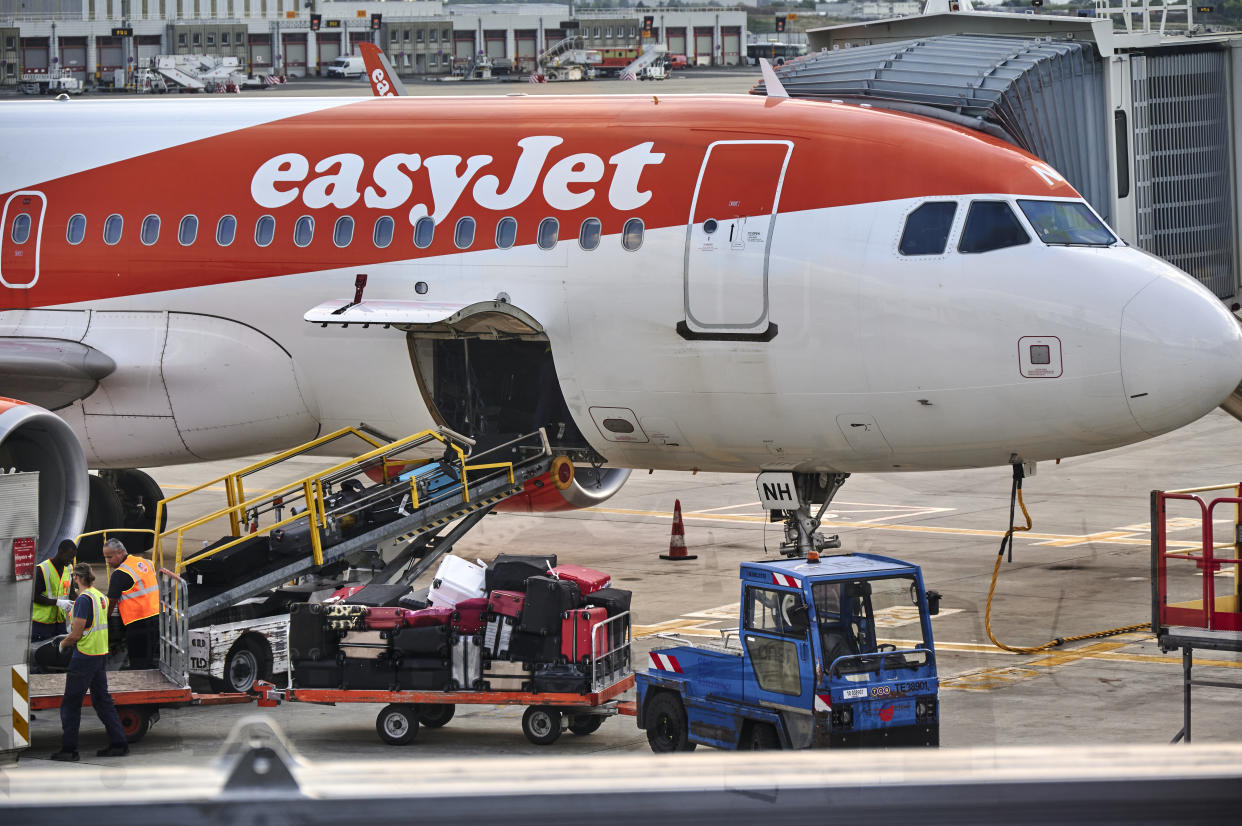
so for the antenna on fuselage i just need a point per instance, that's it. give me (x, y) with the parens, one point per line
(771, 84)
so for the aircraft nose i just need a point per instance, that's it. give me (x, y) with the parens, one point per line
(1181, 353)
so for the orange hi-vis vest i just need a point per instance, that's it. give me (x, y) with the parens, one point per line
(142, 599)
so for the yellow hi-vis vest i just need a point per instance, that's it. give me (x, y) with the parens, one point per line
(95, 640)
(55, 586)
(142, 600)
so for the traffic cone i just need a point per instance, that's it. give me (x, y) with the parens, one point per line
(677, 542)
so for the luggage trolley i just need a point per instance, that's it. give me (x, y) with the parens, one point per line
(547, 714)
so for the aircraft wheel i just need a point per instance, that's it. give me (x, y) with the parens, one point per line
(140, 497)
(397, 724)
(103, 512)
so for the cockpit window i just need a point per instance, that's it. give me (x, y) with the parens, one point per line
(991, 225)
(1068, 223)
(927, 229)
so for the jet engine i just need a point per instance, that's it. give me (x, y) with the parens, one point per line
(32, 439)
(557, 490)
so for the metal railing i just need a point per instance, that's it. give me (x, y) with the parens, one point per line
(616, 661)
(1214, 609)
(174, 628)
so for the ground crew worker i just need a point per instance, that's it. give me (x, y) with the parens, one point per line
(88, 670)
(52, 584)
(132, 590)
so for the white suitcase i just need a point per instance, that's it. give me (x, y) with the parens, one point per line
(467, 663)
(456, 580)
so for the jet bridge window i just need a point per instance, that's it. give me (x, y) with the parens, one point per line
(1067, 223)
(343, 232)
(226, 230)
(424, 232)
(382, 234)
(506, 233)
(75, 232)
(264, 231)
(991, 225)
(21, 228)
(304, 231)
(632, 234)
(187, 230)
(588, 235)
(113, 225)
(463, 233)
(549, 232)
(927, 229)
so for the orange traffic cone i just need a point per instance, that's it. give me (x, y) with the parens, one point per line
(677, 542)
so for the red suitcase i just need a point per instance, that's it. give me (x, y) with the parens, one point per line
(386, 619)
(576, 634)
(506, 603)
(589, 580)
(429, 616)
(470, 615)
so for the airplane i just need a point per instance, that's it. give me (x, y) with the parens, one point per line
(701, 282)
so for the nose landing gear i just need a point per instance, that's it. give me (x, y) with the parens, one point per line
(802, 490)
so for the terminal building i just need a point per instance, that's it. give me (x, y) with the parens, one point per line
(91, 39)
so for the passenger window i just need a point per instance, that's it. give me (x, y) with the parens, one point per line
(21, 229)
(549, 232)
(382, 235)
(149, 232)
(304, 231)
(226, 230)
(632, 234)
(588, 235)
(264, 231)
(463, 235)
(506, 233)
(424, 232)
(113, 225)
(76, 231)
(343, 232)
(991, 225)
(187, 232)
(927, 229)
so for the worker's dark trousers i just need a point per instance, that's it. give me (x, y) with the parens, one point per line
(87, 673)
(141, 638)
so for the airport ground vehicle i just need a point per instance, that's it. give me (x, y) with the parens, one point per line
(805, 669)
(348, 66)
(41, 84)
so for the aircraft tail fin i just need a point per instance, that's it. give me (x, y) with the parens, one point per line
(771, 83)
(383, 77)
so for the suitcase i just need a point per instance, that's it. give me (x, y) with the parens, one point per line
(534, 648)
(613, 600)
(469, 616)
(418, 678)
(506, 603)
(364, 645)
(500, 675)
(50, 656)
(589, 580)
(467, 662)
(509, 572)
(232, 564)
(547, 599)
(344, 593)
(368, 674)
(429, 641)
(345, 617)
(496, 636)
(415, 600)
(379, 595)
(559, 679)
(317, 674)
(295, 539)
(576, 634)
(429, 616)
(309, 637)
(456, 580)
(386, 619)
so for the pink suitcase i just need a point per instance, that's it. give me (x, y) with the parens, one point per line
(589, 580)
(343, 593)
(429, 616)
(576, 634)
(506, 603)
(386, 619)
(470, 615)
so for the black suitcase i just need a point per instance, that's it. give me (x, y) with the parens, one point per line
(415, 600)
(413, 678)
(613, 600)
(546, 599)
(230, 565)
(378, 595)
(374, 675)
(317, 674)
(427, 641)
(49, 656)
(560, 679)
(309, 636)
(534, 648)
(292, 540)
(509, 572)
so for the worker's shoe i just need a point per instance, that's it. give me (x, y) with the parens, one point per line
(65, 756)
(113, 751)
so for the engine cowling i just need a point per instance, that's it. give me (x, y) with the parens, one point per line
(33, 439)
(587, 488)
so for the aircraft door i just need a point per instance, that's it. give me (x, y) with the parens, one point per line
(728, 240)
(21, 231)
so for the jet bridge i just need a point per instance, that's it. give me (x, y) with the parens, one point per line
(399, 494)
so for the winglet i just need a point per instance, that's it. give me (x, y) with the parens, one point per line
(770, 82)
(384, 80)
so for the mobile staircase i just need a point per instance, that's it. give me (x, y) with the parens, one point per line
(648, 65)
(567, 59)
(401, 492)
